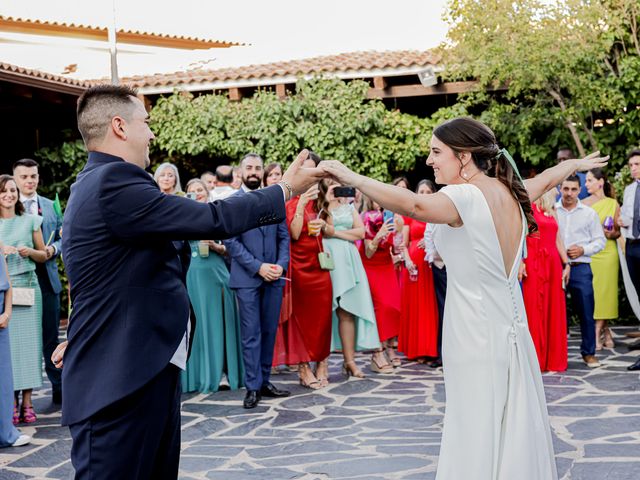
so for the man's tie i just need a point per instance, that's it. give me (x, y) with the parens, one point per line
(636, 213)
(28, 205)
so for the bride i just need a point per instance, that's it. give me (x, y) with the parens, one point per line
(495, 425)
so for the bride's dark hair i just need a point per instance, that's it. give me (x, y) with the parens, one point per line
(468, 135)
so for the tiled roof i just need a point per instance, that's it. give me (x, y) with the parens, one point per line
(27, 76)
(126, 36)
(357, 63)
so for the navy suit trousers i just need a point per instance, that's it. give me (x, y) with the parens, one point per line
(135, 438)
(50, 329)
(580, 288)
(633, 263)
(440, 286)
(259, 310)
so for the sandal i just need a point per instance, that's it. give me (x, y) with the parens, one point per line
(393, 358)
(324, 381)
(384, 368)
(313, 384)
(350, 369)
(28, 415)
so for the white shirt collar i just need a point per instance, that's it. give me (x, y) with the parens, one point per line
(32, 197)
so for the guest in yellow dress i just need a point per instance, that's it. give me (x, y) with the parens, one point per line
(605, 264)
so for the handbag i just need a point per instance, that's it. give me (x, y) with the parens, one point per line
(23, 296)
(326, 261)
(324, 258)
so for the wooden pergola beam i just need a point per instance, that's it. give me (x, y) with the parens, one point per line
(418, 90)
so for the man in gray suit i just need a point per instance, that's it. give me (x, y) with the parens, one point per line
(25, 172)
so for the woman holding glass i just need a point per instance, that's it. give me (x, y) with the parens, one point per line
(605, 264)
(216, 348)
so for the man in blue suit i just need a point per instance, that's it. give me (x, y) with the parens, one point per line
(128, 335)
(259, 257)
(25, 172)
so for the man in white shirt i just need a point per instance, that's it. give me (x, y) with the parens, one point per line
(439, 283)
(584, 237)
(630, 222)
(224, 179)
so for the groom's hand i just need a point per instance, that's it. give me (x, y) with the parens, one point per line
(300, 178)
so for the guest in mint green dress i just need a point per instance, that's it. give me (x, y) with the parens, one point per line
(354, 322)
(216, 349)
(23, 245)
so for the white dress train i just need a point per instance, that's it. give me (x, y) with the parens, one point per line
(496, 425)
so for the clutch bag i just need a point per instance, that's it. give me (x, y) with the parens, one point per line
(23, 297)
(326, 261)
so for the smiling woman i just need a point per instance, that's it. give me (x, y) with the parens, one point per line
(496, 423)
(23, 245)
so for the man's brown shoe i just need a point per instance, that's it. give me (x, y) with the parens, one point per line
(591, 361)
(635, 334)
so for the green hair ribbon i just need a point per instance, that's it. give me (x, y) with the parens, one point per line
(507, 155)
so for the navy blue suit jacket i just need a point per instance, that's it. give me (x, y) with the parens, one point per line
(249, 250)
(51, 225)
(130, 304)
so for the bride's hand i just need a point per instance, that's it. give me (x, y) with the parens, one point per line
(593, 160)
(339, 172)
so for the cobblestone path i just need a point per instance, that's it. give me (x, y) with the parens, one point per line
(378, 428)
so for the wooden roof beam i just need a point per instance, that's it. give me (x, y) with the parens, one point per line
(418, 90)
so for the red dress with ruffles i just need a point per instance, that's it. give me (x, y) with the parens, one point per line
(418, 335)
(383, 282)
(544, 297)
(304, 333)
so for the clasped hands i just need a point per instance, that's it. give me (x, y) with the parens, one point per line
(270, 272)
(300, 178)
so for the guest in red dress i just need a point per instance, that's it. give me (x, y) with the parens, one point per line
(418, 337)
(306, 333)
(377, 260)
(542, 277)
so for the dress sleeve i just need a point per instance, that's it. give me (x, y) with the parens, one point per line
(37, 222)
(462, 198)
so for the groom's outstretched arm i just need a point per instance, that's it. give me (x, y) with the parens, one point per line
(134, 208)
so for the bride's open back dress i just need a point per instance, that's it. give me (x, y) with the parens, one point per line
(496, 425)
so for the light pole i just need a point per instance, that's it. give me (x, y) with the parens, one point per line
(113, 49)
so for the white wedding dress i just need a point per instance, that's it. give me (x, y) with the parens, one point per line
(495, 425)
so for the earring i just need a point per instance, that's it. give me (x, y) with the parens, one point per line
(464, 175)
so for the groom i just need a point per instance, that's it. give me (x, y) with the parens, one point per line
(128, 336)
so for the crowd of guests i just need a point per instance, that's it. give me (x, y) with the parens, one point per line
(340, 274)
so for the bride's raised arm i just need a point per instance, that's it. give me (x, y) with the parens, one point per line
(551, 177)
(436, 208)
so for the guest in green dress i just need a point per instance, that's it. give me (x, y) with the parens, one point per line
(23, 245)
(216, 348)
(354, 320)
(605, 264)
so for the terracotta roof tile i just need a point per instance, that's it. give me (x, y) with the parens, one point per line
(345, 62)
(95, 30)
(38, 74)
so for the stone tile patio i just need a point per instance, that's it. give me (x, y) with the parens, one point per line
(378, 428)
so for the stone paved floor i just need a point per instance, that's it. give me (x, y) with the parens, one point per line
(382, 427)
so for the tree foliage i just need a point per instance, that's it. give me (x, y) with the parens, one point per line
(550, 73)
(331, 117)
